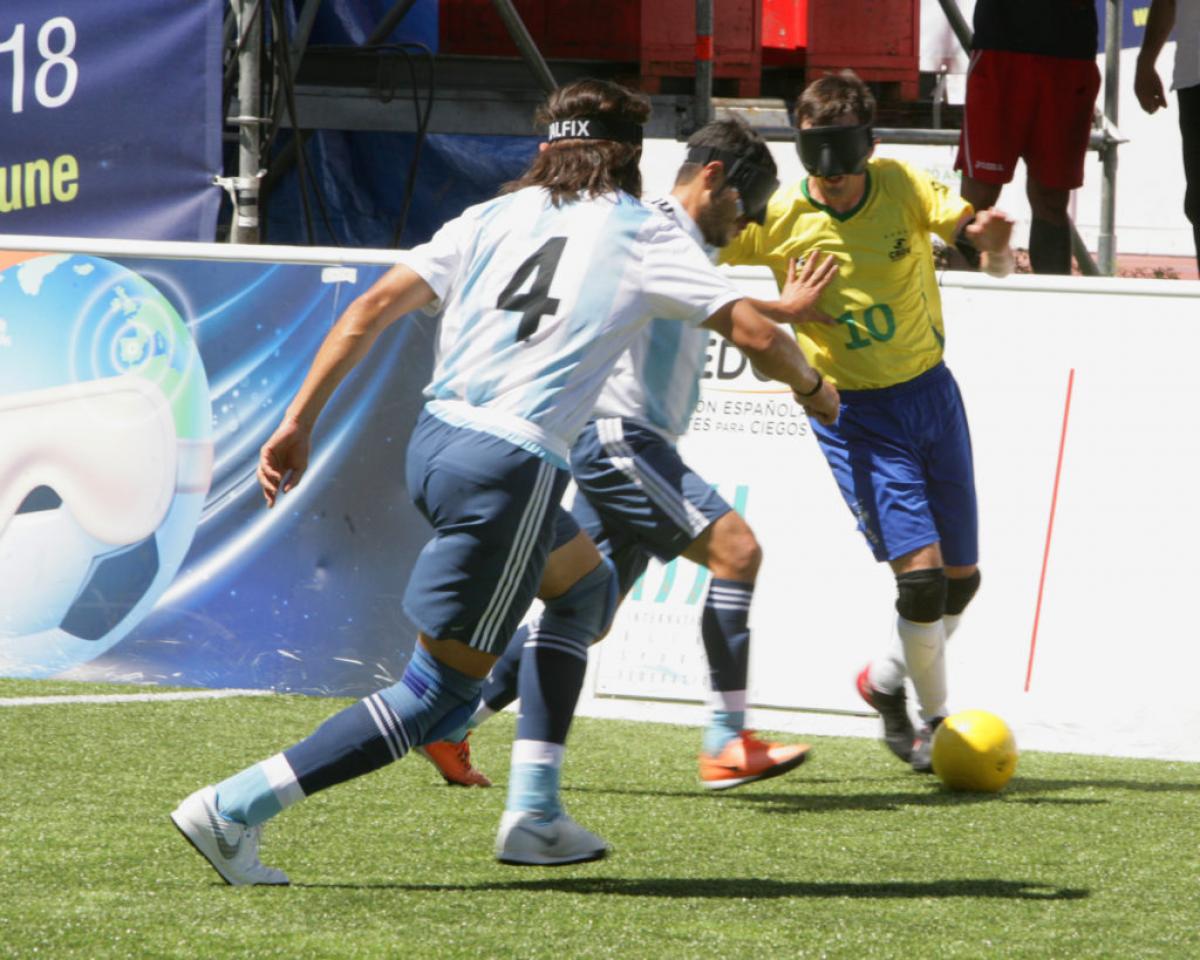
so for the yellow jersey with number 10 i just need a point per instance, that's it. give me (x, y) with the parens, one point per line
(884, 298)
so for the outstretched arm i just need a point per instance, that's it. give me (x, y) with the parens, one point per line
(797, 301)
(284, 457)
(774, 352)
(990, 232)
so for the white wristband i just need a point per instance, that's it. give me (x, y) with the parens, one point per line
(1000, 264)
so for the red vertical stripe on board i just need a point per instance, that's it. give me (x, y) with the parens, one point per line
(1062, 444)
(704, 47)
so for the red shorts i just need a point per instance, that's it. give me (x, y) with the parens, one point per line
(1027, 106)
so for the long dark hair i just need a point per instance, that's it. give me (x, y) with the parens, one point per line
(570, 169)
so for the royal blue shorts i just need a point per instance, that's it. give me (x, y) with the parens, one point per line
(492, 505)
(902, 459)
(637, 498)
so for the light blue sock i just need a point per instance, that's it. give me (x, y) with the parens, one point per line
(723, 726)
(533, 787)
(259, 792)
(247, 798)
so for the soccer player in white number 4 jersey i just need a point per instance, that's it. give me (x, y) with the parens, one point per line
(542, 290)
(638, 499)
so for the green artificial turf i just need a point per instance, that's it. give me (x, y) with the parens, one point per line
(849, 856)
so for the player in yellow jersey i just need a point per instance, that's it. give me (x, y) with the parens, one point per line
(901, 449)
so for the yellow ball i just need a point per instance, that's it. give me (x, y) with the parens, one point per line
(974, 750)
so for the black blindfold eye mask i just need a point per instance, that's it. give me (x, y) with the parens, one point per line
(835, 151)
(753, 183)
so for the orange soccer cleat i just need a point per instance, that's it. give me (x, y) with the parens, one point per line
(453, 761)
(746, 759)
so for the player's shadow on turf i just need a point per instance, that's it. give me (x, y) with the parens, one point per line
(793, 803)
(747, 888)
(1046, 785)
(699, 793)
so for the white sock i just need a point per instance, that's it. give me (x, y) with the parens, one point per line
(951, 622)
(482, 712)
(925, 657)
(887, 672)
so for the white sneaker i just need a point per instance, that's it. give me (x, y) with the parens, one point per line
(230, 847)
(529, 839)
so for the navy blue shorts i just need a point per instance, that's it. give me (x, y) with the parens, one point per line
(492, 505)
(637, 497)
(902, 459)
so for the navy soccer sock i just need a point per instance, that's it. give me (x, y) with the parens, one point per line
(549, 684)
(725, 630)
(429, 700)
(552, 666)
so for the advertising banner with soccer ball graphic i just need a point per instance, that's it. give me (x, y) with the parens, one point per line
(135, 392)
(134, 544)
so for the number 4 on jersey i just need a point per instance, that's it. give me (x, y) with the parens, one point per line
(536, 301)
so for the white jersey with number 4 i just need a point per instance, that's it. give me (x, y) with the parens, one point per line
(657, 380)
(539, 302)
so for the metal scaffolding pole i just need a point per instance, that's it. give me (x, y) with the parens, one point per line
(389, 22)
(1108, 191)
(958, 23)
(520, 34)
(304, 26)
(703, 99)
(245, 226)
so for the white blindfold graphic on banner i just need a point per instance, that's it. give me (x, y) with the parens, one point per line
(104, 454)
(107, 448)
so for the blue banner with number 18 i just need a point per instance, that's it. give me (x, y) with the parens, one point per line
(110, 119)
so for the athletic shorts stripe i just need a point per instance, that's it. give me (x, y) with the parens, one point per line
(561, 644)
(518, 559)
(966, 139)
(682, 511)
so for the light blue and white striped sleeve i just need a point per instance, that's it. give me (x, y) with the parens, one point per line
(438, 260)
(678, 279)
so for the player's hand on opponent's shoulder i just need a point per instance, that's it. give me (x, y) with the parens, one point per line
(283, 459)
(804, 286)
(824, 404)
(991, 230)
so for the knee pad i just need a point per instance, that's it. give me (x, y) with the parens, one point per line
(960, 592)
(586, 611)
(921, 595)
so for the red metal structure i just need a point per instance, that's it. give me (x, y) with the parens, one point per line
(879, 39)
